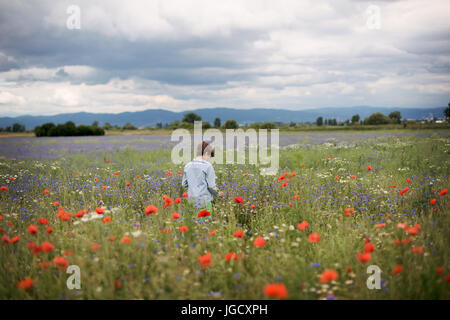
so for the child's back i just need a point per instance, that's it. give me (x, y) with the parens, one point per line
(200, 179)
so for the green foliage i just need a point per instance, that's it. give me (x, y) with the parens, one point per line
(376, 119)
(191, 117)
(231, 124)
(67, 129)
(319, 121)
(396, 117)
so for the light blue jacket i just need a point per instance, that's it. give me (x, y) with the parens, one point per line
(200, 179)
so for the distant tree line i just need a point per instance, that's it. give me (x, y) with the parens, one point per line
(68, 129)
(16, 127)
(376, 118)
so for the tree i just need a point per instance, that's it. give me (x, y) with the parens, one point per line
(217, 123)
(206, 125)
(129, 126)
(95, 124)
(231, 124)
(17, 127)
(107, 126)
(268, 125)
(319, 121)
(377, 118)
(395, 117)
(355, 119)
(447, 111)
(191, 117)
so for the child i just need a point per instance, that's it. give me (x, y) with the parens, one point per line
(200, 179)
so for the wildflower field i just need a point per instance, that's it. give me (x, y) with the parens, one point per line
(309, 232)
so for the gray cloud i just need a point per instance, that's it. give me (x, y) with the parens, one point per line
(178, 55)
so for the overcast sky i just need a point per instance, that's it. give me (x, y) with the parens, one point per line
(181, 55)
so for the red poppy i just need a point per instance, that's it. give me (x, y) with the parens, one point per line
(43, 221)
(277, 290)
(177, 200)
(203, 213)
(61, 262)
(417, 250)
(118, 284)
(205, 260)
(408, 180)
(183, 229)
(32, 229)
(380, 225)
(443, 192)
(49, 230)
(232, 256)
(439, 270)
(212, 233)
(80, 213)
(353, 176)
(259, 242)
(364, 257)
(3, 188)
(56, 203)
(150, 209)
(303, 225)
(100, 210)
(296, 197)
(125, 239)
(252, 206)
(5, 239)
(175, 215)
(167, 201)
(397, 269)
(26, 284)
(413, 231)
(34, 248)
(238, 234)
(328, 276)
(128, 184)
(95, 246)
(314, 237)
(433, 201)
(369, 168)
(46, 191)
(107, 219)
(239, 200)
(15, 239)
(47, 246)
(404, 191)
(369, 247)
(185, 195)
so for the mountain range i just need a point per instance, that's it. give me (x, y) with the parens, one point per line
(151, 117)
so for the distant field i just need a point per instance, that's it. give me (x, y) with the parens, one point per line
(341, 202)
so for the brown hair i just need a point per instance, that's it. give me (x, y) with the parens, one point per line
(205, 147)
